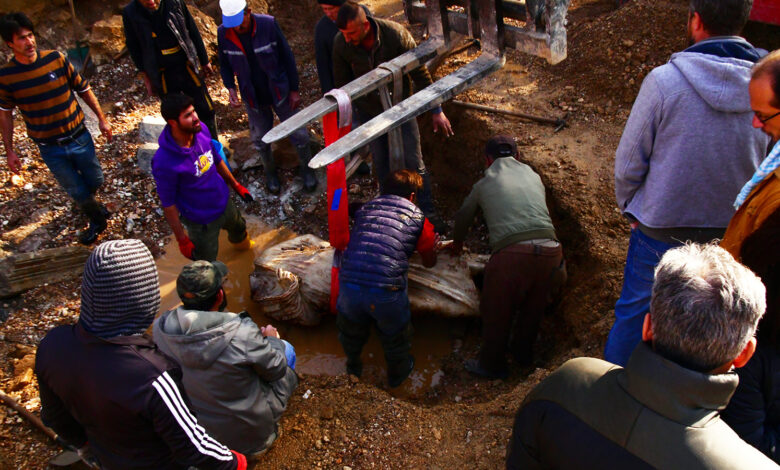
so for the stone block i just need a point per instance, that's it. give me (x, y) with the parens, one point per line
(144, 157)
(150, 128)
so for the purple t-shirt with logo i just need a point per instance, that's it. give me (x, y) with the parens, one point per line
(188, 177)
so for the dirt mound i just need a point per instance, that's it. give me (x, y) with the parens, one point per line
(609, 58)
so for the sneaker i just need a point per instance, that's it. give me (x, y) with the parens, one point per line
(473, 367)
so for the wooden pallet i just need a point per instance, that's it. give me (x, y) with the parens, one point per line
(21, 272)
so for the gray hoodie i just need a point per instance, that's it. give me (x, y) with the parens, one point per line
(688, 145)
(238, 380)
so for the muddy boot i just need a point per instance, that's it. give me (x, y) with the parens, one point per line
(399, 362)
(353, 337)
(309, 178)
(97, 221)
(269, 169)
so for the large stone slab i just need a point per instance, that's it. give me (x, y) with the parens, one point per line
(150, 128)
(144, 157)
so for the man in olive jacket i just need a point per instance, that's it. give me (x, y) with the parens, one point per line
(363, 44)
(662, 409)
(238, 376)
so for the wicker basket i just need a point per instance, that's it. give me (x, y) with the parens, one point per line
(278, 294)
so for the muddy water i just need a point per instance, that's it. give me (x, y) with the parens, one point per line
(318, 348)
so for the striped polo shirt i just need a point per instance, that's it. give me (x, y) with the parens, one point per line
(43, 92)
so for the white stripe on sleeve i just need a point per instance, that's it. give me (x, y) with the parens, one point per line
(205, 444)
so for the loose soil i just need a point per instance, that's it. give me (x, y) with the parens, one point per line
(337, 421)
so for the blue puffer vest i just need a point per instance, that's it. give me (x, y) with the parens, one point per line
(383, 238)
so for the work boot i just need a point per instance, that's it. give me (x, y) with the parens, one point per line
(399, 362)
(309, 178)
(353, 336)
(97, 214)
(269, 169)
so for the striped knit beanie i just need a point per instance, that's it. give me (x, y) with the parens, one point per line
(120, 292)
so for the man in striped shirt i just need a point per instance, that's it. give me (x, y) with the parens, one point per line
(41, 85)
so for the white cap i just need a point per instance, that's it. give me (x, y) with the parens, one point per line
(232, 12)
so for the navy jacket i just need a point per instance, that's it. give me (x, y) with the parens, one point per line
(384, 236)
(126, 398)
(273, 53)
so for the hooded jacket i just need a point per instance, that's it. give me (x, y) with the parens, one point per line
(188, 177)
(238, 380)
(688, 145)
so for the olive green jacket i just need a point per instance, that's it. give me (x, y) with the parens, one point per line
(350, 62)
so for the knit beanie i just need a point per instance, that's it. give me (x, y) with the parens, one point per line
(335, 3)
(120, 291)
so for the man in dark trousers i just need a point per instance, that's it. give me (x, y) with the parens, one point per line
(364, 43)
(373, 276)
(166, 47)
(194, 183)
(106, 389)
(41, 85)
(324, 36)
(267, 79)
(526, 268)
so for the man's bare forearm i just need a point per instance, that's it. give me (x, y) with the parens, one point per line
(7, 129)
(89, 97)
(172, 216)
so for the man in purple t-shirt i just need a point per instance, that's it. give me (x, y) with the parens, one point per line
(192, 183)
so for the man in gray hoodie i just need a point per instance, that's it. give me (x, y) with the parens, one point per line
(687, 149)
(238, 376)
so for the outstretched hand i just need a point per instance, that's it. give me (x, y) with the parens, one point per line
(440, 122)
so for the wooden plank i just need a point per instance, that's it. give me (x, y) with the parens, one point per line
(25, 271)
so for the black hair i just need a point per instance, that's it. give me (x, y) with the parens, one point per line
(173, 105)
(402, 183)
(12, 23)
(348, 12)
(722, 17)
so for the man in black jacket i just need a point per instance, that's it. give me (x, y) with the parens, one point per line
(103, 383)
(167, 49)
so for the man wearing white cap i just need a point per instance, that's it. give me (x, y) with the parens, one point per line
(253, 48)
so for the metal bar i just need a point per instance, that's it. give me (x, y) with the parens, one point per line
(361, 86)
(490, 109)
(550, 45)
(422, 101)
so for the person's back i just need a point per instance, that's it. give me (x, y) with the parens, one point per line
(662, 409)
(238, 381)
(103, 383)
(384, 236)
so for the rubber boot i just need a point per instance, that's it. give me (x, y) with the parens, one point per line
(244, 245)
(353, 337)
(399, 362)
(309, 178)
(425, 203)
(97, 221)
(269, 168)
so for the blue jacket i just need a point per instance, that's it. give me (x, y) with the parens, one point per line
(383, 238)
(273, 53)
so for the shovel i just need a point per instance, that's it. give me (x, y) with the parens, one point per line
(67, 457)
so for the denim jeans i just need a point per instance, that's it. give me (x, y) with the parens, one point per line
(75, 166)
(644, 253)
(388, 309)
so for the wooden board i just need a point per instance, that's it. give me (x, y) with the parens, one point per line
(21, 272)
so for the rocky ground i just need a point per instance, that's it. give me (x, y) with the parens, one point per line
(339, 422)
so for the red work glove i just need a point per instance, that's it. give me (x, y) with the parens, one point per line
(240, 460)
(244, 193)
(186, 247)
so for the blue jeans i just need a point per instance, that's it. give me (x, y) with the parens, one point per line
(644, 253)
(75, 166)
(289, 354)
(364, 305)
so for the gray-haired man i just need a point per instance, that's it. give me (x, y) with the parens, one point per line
(662, 409)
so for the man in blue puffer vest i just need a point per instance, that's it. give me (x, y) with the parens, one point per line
(267, 79)
(373, 284)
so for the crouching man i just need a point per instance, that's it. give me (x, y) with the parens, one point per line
(238, 376)
(193, 183)
(662, 409)
(373, 275)
(102, 381)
